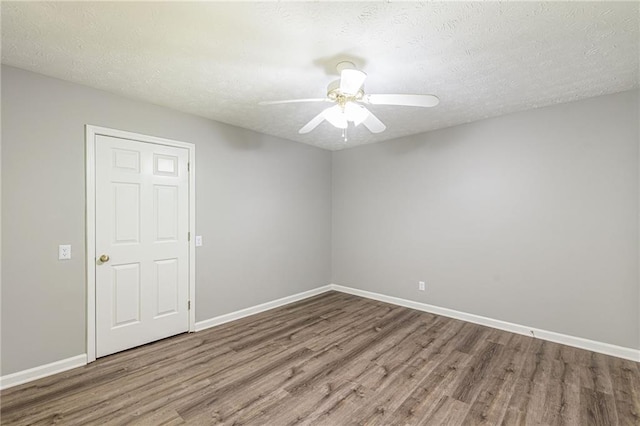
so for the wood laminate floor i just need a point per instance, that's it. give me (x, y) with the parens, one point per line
(337, 359)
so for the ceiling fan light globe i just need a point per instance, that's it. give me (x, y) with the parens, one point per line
(336, 117)
(355, 113)
(340, 124)
(351, 80)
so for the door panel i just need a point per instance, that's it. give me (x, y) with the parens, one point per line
(167, 285)
(126, 295)
(142, 221)
(165, 207)
(165, 165)
(126, 160)
(126, 199)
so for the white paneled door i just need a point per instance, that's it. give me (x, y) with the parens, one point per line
(141, 237)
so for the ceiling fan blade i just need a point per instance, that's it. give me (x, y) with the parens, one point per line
(373, 124)
(402, 100)
(351, 80)
(292, 101)
(315, 122)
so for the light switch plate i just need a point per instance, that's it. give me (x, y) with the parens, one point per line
(198, 240)
(64, 252)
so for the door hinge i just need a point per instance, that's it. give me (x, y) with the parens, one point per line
(188, 236)
(188, 166)
(189, 305)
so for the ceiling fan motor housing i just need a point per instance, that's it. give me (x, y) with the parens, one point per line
(335, 94)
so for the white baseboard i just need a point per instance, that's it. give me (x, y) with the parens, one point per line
(565, 339)
(39, 372)
(605, 348)
(212, 322)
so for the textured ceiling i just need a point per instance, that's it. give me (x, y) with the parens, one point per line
(218, 60)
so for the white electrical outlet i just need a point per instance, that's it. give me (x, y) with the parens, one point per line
(64, 252)
(421, 285)
(198, 240)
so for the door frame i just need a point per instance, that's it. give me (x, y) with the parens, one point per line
(90, 185)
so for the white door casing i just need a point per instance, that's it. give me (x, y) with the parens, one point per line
(142, 219)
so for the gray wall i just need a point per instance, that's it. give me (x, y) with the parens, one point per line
(530, 218)
(263, 208)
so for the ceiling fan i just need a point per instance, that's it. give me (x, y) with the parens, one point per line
(348, 95)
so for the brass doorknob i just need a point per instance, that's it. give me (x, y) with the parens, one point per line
(104, 258)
